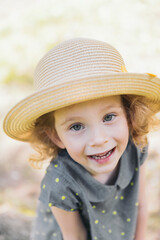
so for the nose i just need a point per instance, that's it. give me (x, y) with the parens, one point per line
(98, 137)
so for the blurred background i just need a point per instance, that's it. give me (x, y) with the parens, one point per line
(29, 28)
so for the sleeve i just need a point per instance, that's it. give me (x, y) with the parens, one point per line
(60, 191)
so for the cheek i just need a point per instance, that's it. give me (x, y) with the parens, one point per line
(73, 144)
(122, 133)
(75, 150)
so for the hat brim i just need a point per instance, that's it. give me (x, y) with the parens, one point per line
(19, 122)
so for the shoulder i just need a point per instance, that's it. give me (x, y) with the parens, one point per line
(57, 176)
(142, 154)
(61, 166)
(58, 187)
(131, 160)
(136, 153)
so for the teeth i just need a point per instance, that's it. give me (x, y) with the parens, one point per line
(104, 156)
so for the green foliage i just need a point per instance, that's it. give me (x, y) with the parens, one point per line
(16, 78)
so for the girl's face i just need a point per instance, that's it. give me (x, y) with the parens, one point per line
(94, 133)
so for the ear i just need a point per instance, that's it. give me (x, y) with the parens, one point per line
(55, 138)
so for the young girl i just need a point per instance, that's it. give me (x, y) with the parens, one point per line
(92, 118)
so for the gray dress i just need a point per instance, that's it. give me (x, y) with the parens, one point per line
(109, 212)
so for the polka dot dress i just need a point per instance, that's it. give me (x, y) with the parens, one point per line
(108, 211)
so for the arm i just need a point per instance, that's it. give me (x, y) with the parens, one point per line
(71, 225)
(142, 211)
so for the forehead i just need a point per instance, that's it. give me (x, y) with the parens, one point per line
(106, 102)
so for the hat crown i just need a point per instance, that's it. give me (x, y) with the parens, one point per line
(76, 59)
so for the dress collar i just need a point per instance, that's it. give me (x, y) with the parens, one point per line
(127, 165)
(93, 189)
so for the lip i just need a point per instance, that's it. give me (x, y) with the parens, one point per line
(102, 160)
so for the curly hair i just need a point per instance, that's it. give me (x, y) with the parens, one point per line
(141, 117)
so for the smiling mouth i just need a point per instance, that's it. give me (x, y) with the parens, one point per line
(102, 156)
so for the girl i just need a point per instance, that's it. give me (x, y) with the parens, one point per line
(92, 118)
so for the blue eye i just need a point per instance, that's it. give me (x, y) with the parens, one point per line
(76, 127)
(109, 117)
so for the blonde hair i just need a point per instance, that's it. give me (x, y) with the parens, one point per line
(140, 113)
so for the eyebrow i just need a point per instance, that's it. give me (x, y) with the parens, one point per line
(71, 119)
(110, 106)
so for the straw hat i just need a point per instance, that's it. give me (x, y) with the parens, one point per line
(74, 71)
